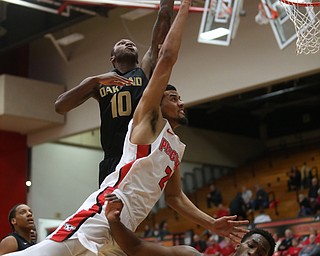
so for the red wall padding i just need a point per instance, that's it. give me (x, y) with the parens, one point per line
(13, 169)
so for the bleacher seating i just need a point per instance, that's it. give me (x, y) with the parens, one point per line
(269, 171)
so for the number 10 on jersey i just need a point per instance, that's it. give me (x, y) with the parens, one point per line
(121, 104)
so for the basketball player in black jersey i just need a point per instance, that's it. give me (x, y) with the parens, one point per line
(117, 102)
(23, 228)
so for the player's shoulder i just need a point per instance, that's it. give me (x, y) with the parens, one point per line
(9, 243)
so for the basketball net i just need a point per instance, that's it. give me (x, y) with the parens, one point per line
(305, 14)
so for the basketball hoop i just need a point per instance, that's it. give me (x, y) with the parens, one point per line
(305, 14)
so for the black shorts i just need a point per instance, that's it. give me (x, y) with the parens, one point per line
(107, 166)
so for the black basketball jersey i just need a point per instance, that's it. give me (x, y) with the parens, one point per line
(117, 105)
(22, 243)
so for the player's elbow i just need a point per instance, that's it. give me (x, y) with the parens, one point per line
(137, 249)
(59, 107)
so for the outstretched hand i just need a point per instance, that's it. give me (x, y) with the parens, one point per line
(227, 226)
(112, 78)
(113, 208)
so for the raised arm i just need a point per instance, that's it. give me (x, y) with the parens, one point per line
(159, 32)
(178, 201)
(148, 109)
(130, 243)
(88, 88)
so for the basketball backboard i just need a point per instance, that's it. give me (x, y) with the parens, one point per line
(282, 26)
(220, 20)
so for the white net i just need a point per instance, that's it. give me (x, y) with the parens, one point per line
(307, 24)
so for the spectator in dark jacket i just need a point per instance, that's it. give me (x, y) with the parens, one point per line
(287, 241)
(214, 196)
(238, 206)
(261, 200)
(313, 194)
(198, 243)
(305, 206)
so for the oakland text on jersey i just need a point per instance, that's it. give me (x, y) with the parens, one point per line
(173, 155)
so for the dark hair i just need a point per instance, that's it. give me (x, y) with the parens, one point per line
(12, 214)
(265, 234)
(170, 88)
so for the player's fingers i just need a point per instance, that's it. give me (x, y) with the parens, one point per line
(236, 234)
(123, 79)
(112, 198)
(115, 80)
(240, 230)
(120, 83)
(239, 222)
(234, 239)
(230, 218)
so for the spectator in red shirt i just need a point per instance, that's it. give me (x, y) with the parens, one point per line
(227, 248)
(294, 249)
(314, 232)
(213, 248)
(311, 249)
(222, 211)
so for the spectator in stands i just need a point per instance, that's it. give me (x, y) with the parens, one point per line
(306, 175)
(23, 230)
(213, 248)
(313, 194)
(207, 233)
(198, 243)
(287, 241)
(238, 207)
(294, 182)
(156, 230)
(261, 200)
(294, 249)
(214, 196)
(306, 239)
(247, 197)
(221, 211)
(163, 230)
(312, 249)
(227, 248)
(261, 217)
(148, 232)
(305, 206)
